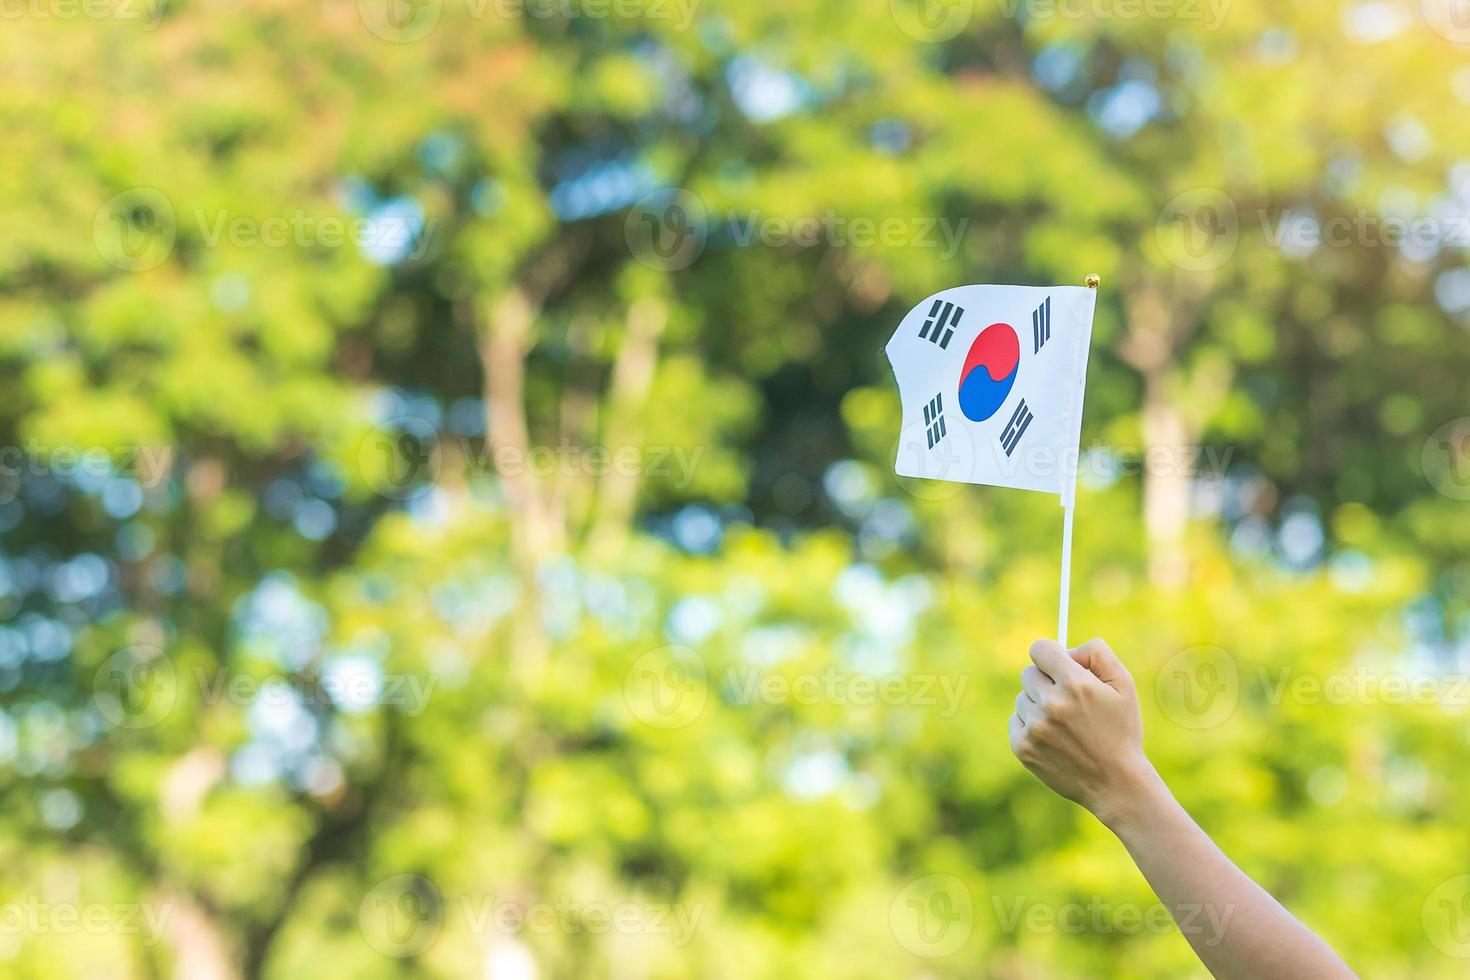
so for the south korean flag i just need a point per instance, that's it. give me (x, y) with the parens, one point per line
(991, 379)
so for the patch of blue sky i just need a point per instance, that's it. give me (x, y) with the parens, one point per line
(602, 187)
(764, 93)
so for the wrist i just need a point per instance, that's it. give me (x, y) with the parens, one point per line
(1139, 794)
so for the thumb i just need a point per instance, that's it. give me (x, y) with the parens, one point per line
(1096, 656)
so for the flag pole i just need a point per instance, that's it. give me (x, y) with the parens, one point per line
(1069, 504)
(1066, 574)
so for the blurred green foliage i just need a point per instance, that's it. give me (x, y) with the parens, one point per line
(447, 523)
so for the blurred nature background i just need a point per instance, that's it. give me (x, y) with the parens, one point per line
(448, 524)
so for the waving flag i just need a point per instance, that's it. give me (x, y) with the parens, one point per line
(991, 380)
(987, 400)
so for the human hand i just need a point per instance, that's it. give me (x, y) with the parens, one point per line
(1078, 729)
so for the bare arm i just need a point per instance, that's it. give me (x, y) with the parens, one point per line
(1077, 727)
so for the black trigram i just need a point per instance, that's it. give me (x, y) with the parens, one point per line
(1040, 325)
(940, 325)
(1016, 427)
(934, 421)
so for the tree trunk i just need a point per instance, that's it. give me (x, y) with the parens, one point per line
(1167, 479)
(200, 951)
(504, 341)
(1157, 320)
(632, 378)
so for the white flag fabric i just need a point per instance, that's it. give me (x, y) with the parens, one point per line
(991, 379)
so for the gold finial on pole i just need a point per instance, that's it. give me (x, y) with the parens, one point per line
(1093, 281)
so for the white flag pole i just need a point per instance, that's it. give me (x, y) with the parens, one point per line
(1069, 496)
(1066, 573)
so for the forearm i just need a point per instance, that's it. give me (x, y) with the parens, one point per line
(1236, 928)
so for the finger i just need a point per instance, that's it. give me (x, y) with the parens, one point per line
(1054, 662)
(1097, 657)
(1017, 728)
(1035, 683)
(1029, 711)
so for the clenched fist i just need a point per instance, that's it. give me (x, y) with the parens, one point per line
(1078, 729)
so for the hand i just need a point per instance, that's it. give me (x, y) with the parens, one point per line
(1077, 728)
